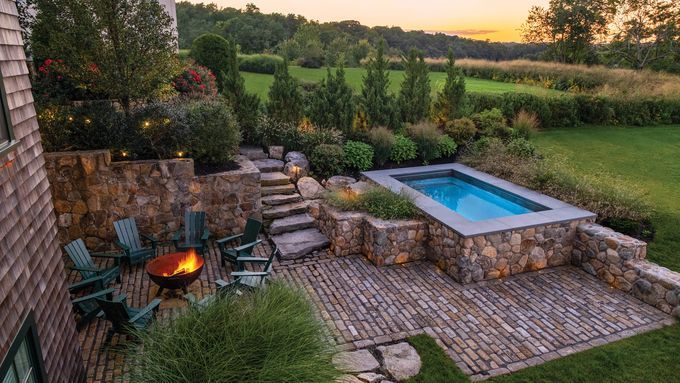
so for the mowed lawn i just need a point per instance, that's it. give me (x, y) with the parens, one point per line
(260, 83)
(648, 157)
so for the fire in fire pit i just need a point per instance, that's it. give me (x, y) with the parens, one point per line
(175, 271)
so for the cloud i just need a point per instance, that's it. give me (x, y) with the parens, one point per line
(466, 32)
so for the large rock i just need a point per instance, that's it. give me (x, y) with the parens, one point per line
(299, 243)
(276, 152)
(401, 360)
(355, 361)
(292, 156)
(371, 377)
(296, 169)
(348, 379)
(359, 187)
(339, 182)
(309, 188)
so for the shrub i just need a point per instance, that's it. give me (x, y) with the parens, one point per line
(265, 336)
(383, 141)
(377, 201)
(427, 137)
(214, 52)
(358, 155)
(447, 146)
(311, 138)
(327, 160)
(259, 63)
(492, 123)
(404, 149)
(269, 131)
(160, 130)
(462, 130)
(563, 111)
(524, 125)
(215, 134)
(521, 147)
(195, 81)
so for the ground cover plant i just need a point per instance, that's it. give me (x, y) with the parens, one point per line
(269, 335)
(377, 201)
(436, 366)
(643, 158)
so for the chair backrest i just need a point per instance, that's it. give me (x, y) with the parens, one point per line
(116, 312)
(252, 230)
(127, 232)
(80, 257)
(194, 224)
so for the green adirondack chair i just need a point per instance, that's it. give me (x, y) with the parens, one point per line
(246, 242)
(124, 318)
(87, 307)
(82, 261)
(130, 241)
(249, 279)
(196, 233)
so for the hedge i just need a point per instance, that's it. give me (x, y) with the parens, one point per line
(571, 111)
(259, 63)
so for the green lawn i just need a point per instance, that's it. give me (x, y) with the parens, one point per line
(645, 156)
(652, 357)
(260, 83)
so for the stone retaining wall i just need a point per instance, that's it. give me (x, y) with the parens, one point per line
(620, 261)
(90, 192)
(501, 254)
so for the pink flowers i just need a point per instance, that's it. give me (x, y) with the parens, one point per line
(196, 80)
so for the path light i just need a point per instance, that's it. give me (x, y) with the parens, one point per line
(180, 154)
(124, 153)
(296, 173)
(147, 124)
(88, 121)
(70, 118)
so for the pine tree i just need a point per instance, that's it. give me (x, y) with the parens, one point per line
(375, 101)
(414, 96)
(332, 104)
(450, 100)
(285, 100)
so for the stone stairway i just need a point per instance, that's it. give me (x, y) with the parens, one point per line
(284, 211)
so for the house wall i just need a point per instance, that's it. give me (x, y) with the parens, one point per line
(32, 274)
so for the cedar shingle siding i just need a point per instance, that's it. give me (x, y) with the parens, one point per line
(31, 266)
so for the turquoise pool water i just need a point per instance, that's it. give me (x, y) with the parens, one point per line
(466, 199)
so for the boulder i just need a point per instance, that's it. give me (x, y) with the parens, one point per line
(339, 182)
(296, 169)
(371, 377)
(292, 156)
(276, 152)
(355, 361)
(309, 188)
(401, 360)
(359, 187)
(348, 379)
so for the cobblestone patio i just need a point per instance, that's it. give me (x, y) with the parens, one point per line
(488, 329)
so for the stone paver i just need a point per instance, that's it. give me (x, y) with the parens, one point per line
(488, 328)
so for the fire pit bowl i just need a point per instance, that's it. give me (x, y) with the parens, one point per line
(175, 271)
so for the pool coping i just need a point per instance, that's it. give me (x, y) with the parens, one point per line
(559, 212)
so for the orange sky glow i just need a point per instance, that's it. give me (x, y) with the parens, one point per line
(496, 20)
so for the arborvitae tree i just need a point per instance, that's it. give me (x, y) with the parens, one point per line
(450, 100)
(375, 101)
(332, 104)
(414, 96)
(285, 100)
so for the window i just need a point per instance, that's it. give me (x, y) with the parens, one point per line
(6, 137)
(23, 362)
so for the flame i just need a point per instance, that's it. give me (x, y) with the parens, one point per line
(190, 262)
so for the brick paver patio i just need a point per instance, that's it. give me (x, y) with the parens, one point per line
(487, 329)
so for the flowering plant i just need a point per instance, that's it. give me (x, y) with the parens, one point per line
(196, 81)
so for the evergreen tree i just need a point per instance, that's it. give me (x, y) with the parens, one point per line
(414, 96)
(375, 101)
(450, 100)
(332, 104)
(285, 100)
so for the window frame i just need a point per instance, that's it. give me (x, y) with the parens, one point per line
(6, 147)
(29, 334)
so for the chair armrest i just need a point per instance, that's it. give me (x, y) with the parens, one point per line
(122, 246)
(85, 268)
(229, 239)
(249, 274)
(93, 295)
(153, 306)
(177, 236)
(149, 238)
(252, 260)
(76, 286)
(107, 255)
(221, 283)
(247, 246)
(206, 234)
(120, 298)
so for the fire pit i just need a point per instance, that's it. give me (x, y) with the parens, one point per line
(175, 271)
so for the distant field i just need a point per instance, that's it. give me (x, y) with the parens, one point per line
(645, 156)
(260, 83)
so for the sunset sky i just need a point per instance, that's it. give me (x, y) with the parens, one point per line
(497, 20)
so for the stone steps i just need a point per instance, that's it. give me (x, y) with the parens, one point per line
(274, 179)
(253, 153)
(280, 189)
(291, 223)
(269, 165)
(285, 210)
(281, 199)
(299, 243)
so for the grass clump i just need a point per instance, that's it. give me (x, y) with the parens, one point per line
(382, 140)
(270, 335)
(525, 124)
(377, 201)
(436, 367)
